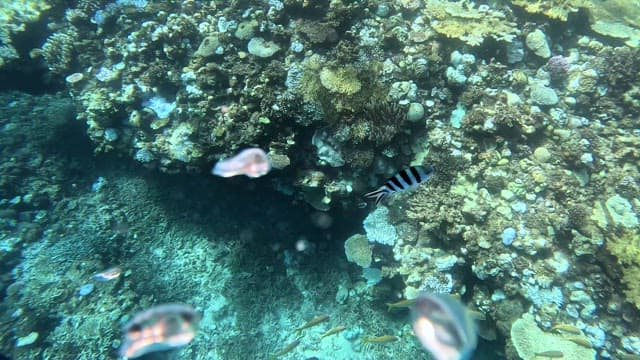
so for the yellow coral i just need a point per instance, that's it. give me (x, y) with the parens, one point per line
(626, 248)
(15, 14)
(555, 9)
(342, 81)
(462, 20)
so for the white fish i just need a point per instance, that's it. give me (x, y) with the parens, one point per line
(252, 162)
(444, 326)
(109, 274)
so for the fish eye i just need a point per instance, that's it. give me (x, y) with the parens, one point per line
(188, 317)
(134, 328)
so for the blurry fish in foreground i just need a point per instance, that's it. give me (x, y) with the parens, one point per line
(159, 328)
(109, 274)
(406, 179)
(252, 162)
(444, 327)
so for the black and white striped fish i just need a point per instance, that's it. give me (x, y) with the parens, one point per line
(407, 179)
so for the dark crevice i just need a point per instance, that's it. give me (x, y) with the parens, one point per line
(26, 74)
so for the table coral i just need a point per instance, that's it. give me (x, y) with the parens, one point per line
(617, 19)
(461, 20)
(555, 9)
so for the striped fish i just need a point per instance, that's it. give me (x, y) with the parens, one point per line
(406, 179)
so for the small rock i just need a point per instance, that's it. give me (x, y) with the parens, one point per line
(85, 289)
(507, 194)
(261, 48)
(508, 235)
(537, 42)
(27, 340)
(207, 47)
(415, 112)
(543, 95)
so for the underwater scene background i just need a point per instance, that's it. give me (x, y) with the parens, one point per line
(113, 114)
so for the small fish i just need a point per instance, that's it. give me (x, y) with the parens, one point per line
(252, 162)
(580, 340)
(566, 328)
(444, 327)
(406, 303)
(313, 322)
(335, 330)
(552, 354)
(286, 349)
(109, 274)
(383, 339)
(163, 327)
(406, 179)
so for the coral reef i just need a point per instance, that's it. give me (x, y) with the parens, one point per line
(15, 16)
(57, 50)
(527, 110)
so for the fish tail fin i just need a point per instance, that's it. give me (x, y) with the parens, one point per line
(373, 193)
(379, 194)
(389, 307)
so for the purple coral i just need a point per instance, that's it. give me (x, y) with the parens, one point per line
(558, 67)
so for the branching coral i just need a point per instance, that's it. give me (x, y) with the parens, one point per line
(461, 20)
(58, 50)
(342, 81)
(384, 120)
(436, 205)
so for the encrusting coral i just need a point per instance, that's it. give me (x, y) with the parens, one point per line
(626, 248)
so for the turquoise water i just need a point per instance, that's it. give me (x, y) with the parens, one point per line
(113, 114)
